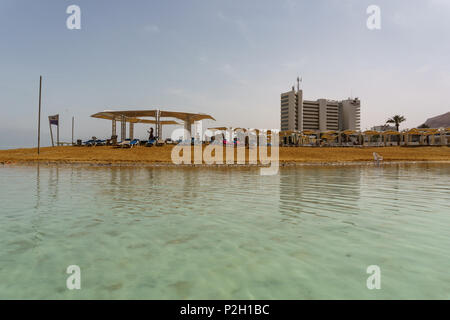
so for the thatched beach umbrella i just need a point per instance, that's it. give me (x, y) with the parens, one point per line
(347, 134)
(370, 134)
(309, 133)
(388, 134)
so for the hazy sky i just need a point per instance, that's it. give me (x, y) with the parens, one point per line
(228, 58)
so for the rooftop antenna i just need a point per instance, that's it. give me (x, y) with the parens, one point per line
(298, 83)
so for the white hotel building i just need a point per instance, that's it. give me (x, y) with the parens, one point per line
(322, 114)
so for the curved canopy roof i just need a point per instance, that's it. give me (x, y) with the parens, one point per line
(134, 116)
(128, 113)
(186, 115)
(114, 116)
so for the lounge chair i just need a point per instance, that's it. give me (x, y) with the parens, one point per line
(134, 143)
(99, 142)
(125, 143)
(150, 143)
(95, 142)
(185, 143)
(89, 143)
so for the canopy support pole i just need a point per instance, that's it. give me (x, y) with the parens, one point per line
(131, 131)
(157, 124)
(187, 128)
(123, 128)
(114, 126)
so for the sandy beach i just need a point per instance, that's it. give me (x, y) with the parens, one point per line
(107, 155)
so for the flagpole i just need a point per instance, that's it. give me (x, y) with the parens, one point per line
(39, 117)
(57, 133)
(72, 128)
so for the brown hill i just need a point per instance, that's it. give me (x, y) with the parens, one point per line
(442, 120)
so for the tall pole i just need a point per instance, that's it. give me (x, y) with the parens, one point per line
(72, 128)
(57, 133)
(39, 117)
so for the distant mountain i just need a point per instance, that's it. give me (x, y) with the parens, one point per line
(439, 121)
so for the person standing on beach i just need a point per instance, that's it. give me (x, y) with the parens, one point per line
(151, 137)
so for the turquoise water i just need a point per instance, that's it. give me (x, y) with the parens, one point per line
(160, 233)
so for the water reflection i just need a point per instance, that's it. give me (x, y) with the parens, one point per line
(38, 186)
(35, 219)
(319, 191)
(53, 182)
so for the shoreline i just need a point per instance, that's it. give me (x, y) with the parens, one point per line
(160, 157)
(218, 166)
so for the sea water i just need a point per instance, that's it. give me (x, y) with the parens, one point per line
(166, 233)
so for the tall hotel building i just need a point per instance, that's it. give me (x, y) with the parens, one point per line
(323, 115)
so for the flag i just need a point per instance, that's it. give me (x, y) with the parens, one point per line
(54, 119)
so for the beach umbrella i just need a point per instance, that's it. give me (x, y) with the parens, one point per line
(371, 132)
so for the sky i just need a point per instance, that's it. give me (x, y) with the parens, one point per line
(227, 58)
